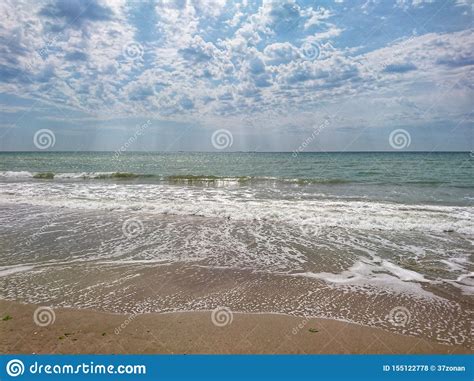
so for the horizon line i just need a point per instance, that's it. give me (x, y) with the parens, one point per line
(223, 151)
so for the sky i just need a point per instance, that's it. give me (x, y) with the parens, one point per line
(277, 75)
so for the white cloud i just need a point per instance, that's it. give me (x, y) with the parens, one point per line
(194, 73)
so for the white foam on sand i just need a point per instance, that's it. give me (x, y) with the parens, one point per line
(348, 226)
(466, 283)
(8, 270)
(243, 204)
(383, 274)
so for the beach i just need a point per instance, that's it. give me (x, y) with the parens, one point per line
(248, 178)
(379, 256)
(84, 331)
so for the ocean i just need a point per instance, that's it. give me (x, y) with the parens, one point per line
(380, 239)
(444, 178)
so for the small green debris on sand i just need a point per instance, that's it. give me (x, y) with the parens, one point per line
(44, 175)
(6, 317)
(61, 337)
(313, 330)
(103, 333)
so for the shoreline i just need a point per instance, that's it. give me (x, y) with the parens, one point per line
(75, 331)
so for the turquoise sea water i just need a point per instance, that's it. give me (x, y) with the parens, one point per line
(362, 237)
(400, 177)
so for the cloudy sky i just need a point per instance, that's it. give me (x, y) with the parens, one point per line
(336, 75)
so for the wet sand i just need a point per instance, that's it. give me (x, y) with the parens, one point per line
(86, 331)
(168, 288)
(84, 261)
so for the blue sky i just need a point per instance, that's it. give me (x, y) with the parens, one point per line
(271, 73)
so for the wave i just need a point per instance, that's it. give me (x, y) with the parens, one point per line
(76, 175)
(188, 179)
(199, 179)
(252, 179)
(241, 203)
